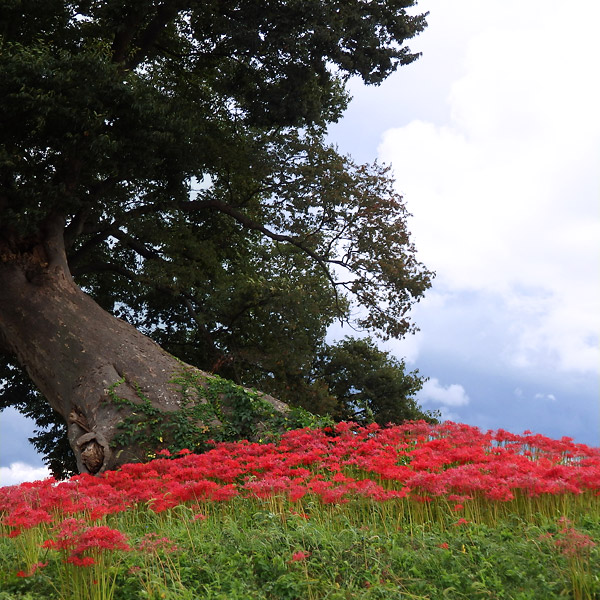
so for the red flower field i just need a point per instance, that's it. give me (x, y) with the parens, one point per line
(415, 461)
(415, 473)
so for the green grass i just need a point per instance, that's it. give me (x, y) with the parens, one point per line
(244, 549)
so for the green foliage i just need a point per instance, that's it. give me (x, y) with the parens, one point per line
(134, 98)
(183, 144)
(370, 385)
(245, 551)
(212, 410)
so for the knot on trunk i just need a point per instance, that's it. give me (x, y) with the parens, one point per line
(94, 452)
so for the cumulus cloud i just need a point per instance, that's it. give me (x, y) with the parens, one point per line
(450, 395)
(505, 194)
(19, 472)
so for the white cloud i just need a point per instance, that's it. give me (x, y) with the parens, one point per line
(19, 472)
(550, 397)
(451, 395)
(447, 415)
(505, 194)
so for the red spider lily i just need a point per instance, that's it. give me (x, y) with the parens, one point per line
(34, 567)
(152, 543)
(100, 537)
(224, 493)
(268, 486)
(570, 541)
(302, 514)
(81, 561)
(297, 491)
(25, 517)
(414, 460)
(77, 538)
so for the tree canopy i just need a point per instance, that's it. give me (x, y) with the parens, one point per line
(369, 384)
(177, 150)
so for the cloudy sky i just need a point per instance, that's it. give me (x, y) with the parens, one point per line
(494, 136)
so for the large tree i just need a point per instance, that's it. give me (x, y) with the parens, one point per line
(164, 162)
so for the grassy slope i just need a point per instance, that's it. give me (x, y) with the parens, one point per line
(244, 549)
(540, 544)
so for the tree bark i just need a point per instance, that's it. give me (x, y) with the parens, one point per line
(75, 352)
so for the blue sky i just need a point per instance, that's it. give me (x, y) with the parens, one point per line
(494, 137)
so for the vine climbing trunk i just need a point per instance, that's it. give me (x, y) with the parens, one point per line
(78, 355)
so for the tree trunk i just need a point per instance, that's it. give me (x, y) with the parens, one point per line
(75, 352)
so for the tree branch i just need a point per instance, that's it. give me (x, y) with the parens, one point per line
(100, 267)
(124, 36)
(111, 230)
(135, 245)
(53, 231)
(250, 223)
(80, 223)
(6, 351)
(164, 15)
(75, 228)
(218, 355)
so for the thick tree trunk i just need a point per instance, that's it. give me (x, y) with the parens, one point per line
(75, 352)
